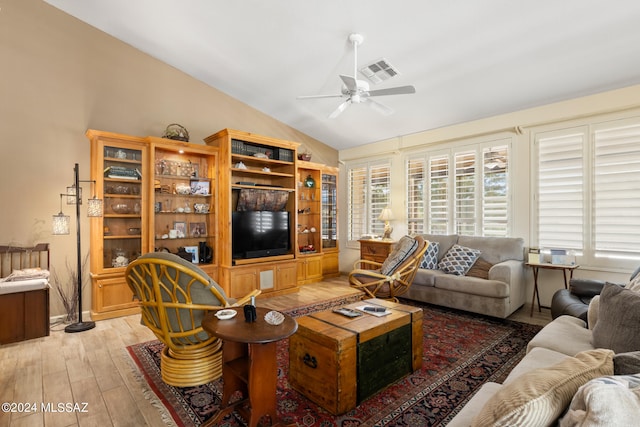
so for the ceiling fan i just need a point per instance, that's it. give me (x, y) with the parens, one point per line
(357, 91)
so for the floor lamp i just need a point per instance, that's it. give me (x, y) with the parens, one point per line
(61, 226)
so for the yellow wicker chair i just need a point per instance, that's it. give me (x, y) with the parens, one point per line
(174, 296)
(380, 283)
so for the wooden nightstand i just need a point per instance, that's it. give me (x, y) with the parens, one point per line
(375, 250)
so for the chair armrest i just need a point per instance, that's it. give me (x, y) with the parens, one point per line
(369, 273)
(586, 287)
(509, 271)
(358, 264)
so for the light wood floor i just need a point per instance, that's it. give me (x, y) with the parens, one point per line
(93, 367)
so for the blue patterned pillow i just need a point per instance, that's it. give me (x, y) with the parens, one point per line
(458, 260)
(430, 260)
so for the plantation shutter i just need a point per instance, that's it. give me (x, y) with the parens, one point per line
(561, 204)
(439, 194)
(380, 178)
(616, 190)
(495, 191)
(465, 193)
(368, 194)
(416, 194)
(357, 221)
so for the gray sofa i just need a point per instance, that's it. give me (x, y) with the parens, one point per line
(572, 375)
(499, 294)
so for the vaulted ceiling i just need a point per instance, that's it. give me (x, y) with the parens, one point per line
(466, 59)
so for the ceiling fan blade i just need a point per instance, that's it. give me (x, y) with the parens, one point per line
(349, 82)
(319, 96)
(340, 109)
(379, 107)
(400, 90)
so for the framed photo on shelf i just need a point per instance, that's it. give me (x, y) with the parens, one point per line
(197, 229)
(181, 228)
(200, 187)
(193, 250)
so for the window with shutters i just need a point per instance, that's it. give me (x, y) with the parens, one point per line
(588, 191)
(368, 194)
(460, 190)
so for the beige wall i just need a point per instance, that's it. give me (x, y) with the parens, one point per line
(623, 101)
(60, 77)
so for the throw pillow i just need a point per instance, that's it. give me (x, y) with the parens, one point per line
(605, 401)
(430, 260)
(618, 326)
(458, 260)
(538, 397)
(480, 269)
(634, 284)
(403, 249)
(626, 363)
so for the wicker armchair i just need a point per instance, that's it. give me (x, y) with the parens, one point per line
(393, 277)
(174, 296)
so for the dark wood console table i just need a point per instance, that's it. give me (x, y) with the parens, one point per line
(249, 364)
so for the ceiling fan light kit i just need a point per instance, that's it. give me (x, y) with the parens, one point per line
(357, 91)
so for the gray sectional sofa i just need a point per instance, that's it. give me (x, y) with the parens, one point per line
(499, 288)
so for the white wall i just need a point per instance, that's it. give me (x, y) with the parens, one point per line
(517, 125)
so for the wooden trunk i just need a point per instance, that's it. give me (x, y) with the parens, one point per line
(337, 362)
(24, 315)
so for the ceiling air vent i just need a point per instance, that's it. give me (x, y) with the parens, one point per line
(379, 71)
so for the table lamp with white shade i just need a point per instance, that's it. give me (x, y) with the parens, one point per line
(386, 215)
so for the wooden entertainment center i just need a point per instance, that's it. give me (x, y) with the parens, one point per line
(164, 195)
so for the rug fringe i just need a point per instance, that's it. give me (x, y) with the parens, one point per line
(149, 394)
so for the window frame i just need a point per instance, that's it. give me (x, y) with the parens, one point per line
(588, 254)
(450, 203)
(372, 208)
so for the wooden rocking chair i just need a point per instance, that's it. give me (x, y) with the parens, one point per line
(174, 296)
(393, 277)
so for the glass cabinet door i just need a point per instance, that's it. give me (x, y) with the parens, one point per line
(122, 188)
(183, 203)
(329, 211)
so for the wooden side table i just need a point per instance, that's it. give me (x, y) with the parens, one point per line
(536, 267)
(249, 364)
(375, 250)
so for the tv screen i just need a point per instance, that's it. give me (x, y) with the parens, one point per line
(259, 234)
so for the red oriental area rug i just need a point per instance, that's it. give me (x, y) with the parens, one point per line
(462, 351)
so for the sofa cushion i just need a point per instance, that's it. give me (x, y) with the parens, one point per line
(539, 397)
(605, 401)
(538, 357)
(495, 249)
(430, 260)
(480, 269)
(402, 250)
(565, 334)
(618, 326)
(458, 260)
(445, 242)
(472, 286)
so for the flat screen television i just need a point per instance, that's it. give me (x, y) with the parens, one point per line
(259, 234)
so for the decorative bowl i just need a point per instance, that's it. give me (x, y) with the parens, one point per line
(226, 314)
(133, 230)
(201, 207)
(121, 208)
(183, 189)
(274, 318)
(118, 189)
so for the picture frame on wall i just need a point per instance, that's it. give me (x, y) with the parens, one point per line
(181, 228)
(193, 250)
(197, 229)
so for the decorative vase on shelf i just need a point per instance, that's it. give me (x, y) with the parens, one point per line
(309, 182)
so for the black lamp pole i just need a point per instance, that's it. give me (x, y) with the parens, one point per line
(80, 325)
